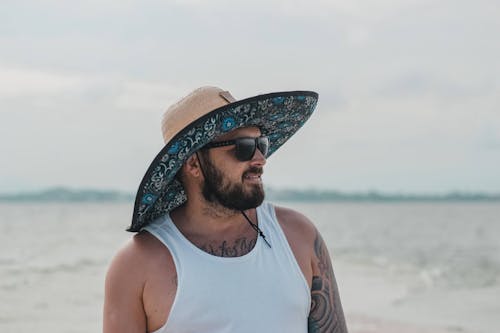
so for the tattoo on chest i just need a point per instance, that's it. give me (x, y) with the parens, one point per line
(240, 247)
(326, 313)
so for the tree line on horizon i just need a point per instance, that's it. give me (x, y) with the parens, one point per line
(61, 194)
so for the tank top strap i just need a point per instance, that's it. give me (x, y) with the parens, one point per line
(278, 238)
(163, 229)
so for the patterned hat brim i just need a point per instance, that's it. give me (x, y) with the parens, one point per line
(278, 115)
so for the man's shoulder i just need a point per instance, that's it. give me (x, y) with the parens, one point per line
(140, 255)
(142, 247)
(139, 282)
(295, 224)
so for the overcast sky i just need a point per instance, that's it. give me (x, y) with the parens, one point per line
(409, 90)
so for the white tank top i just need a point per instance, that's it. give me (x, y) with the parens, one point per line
(261, 291)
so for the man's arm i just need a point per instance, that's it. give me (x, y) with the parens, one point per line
(123, 309)
(326, 315)
(140, 286)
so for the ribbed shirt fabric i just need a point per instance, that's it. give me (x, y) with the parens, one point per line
(261, 291)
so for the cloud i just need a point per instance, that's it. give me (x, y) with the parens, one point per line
(146, 95)
(32, 89)
(22, 82)
(404, 86)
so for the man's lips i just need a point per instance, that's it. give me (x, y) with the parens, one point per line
(254, 175)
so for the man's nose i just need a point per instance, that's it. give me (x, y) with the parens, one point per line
(258, 158)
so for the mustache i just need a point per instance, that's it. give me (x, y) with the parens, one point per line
(257, 170)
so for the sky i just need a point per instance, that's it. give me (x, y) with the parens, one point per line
(409, 89)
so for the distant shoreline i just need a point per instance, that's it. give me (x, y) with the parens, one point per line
(61, 194)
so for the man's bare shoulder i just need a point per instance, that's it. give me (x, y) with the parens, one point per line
(141, 271)
(142, 254)
(296, 223)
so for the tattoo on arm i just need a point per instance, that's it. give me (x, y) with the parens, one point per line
(326, 315)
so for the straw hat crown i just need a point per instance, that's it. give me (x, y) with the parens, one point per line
(192, 107)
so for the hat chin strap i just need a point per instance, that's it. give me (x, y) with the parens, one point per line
(253, 225)
(256, 228)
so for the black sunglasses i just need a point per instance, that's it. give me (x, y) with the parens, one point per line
(245, 147)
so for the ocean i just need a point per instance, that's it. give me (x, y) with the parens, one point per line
(400, 267)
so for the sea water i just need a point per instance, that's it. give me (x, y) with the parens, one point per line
(430, 265)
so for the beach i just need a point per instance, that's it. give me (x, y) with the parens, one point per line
(400, 267)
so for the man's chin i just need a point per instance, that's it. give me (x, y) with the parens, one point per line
(257, 198)
(250, 202)
(251, 187)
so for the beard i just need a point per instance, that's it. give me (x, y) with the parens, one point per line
(216, 189)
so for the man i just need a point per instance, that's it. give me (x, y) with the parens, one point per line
(210, 254)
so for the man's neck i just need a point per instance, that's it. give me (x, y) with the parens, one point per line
(220, 232)
(216, 211)
(209, 218)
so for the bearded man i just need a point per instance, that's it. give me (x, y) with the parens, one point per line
(210, 255)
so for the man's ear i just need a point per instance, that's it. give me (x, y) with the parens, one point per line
(192, 166)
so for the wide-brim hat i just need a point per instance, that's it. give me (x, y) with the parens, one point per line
(198, 119)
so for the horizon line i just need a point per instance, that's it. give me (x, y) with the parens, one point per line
(63, 193)
(267, 188)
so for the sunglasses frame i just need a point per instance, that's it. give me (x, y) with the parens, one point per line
(257, 142)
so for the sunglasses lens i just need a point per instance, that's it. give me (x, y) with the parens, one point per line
(263, 145)
(245, 148)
